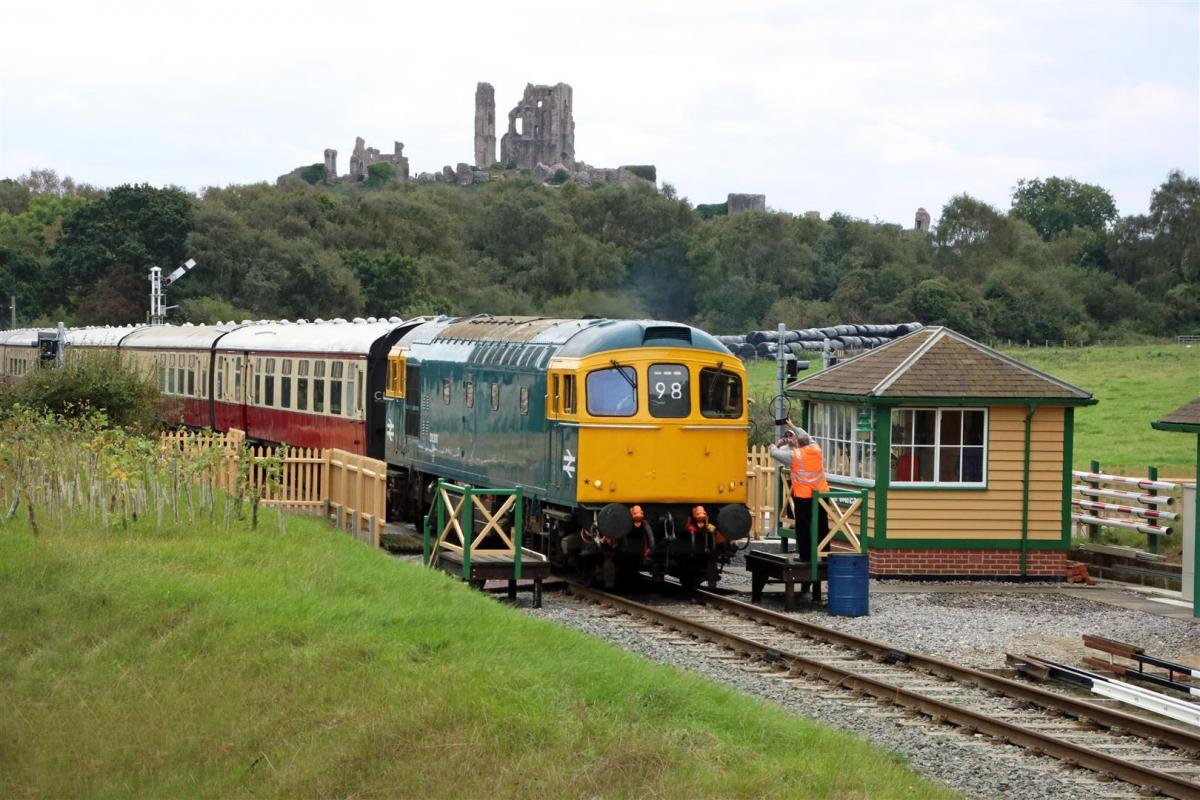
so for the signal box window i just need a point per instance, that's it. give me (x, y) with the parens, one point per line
(720, 394)
(612, 392)
(668, 386)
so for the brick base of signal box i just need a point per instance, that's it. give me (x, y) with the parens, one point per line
(948, 563)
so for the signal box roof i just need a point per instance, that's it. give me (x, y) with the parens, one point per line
(938, 364)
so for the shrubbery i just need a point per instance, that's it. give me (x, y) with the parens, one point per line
(100, 383)
(647, 171)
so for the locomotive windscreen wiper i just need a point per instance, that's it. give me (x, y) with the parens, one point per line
(621, 371)
(712, 385)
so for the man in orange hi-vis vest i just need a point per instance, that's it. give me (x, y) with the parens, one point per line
(806, 469)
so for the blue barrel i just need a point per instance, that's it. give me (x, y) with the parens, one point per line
(849, 587)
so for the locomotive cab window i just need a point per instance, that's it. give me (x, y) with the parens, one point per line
(669, 390)
(720, 394)
(612, 392)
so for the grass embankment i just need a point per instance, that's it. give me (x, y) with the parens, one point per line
(201, 661)
(1135, 384)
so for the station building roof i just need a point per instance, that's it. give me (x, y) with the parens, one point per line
(938, 364)
(1185, 418)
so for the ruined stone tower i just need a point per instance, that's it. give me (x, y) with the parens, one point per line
(540, 129)
(921, 222)
(331, 165)
(485, 125)
(741, 203)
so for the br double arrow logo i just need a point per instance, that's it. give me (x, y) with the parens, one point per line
(568, 462)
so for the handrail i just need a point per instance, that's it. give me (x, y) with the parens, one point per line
(461, 524)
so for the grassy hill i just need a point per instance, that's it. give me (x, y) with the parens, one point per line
(204, 662)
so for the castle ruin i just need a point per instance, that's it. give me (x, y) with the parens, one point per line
(921, 222)
(485, 125)
(364, 156)
(741, 203)
(541, 129)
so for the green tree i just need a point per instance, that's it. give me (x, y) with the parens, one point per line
(379, 174)
(1056, 206)
(109, 245)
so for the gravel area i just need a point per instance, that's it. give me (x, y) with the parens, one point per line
(972, 765)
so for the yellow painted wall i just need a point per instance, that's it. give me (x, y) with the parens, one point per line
(995, 512)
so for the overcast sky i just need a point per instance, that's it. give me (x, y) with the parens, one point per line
(870, 109)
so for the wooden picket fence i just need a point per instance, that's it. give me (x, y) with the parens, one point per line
(762, 493)
(345, 487)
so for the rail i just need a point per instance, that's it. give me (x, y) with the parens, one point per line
(455, 523)
(1143, 508)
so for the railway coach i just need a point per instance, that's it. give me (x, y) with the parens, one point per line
(628, 437)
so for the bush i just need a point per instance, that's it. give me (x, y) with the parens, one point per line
(560, 176)
(380, 174)
(313, 173)
(710, 210)
(100, 382)
(647, 171)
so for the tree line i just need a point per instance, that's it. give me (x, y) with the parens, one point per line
(1058, 264)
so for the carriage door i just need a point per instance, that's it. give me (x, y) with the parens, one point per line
(243, 387)
(562, 458)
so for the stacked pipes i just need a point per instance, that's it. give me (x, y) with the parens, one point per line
(836, 338)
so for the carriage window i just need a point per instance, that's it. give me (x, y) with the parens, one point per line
(495, 397)
(469, 391)
(302, 385)
(269, 383)
(446, 391)
(257, 389)
(720, 394)
(179, 381)
(192, 382)
(612, 392)
(319, 387)
(170, 381)
(335, 387)
(162, 377)
(237, 379)
(669, 390)
(361, 386)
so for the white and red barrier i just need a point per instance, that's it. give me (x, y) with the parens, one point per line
(1122, 480)
(1139, 517)
(1134, 511)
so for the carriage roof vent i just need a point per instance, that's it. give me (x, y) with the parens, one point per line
(667, 333)
(394, 320)
(372, 320)
(318, 321)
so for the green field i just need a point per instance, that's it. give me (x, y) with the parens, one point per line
(1134, 384)
(199, 662)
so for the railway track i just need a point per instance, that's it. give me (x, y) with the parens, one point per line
(1114, 745)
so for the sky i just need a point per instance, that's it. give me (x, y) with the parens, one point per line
(870, 109)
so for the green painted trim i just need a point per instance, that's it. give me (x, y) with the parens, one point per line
(805, 414)
(902, 487)
(1025, 487)
(883, 469)
(1184, 427)
(968, 544)
(1195, 543)
(1068, 479)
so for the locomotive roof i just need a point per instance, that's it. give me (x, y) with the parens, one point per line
(99, 336)
(182, 337)
(308, 337)
(570, 338)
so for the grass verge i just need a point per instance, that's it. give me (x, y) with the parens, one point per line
(206, 662)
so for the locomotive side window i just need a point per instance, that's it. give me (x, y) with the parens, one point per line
(269, 383)
(469, 392)
(554, 383)
(524, 401)
(612, 392)
(720, 394)
(302, 385)
(335, 387)
(569, 394)
(395, 384)
(446, 391)
(319, 387)
(669, 389)
(285, 384)
(495, 397)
